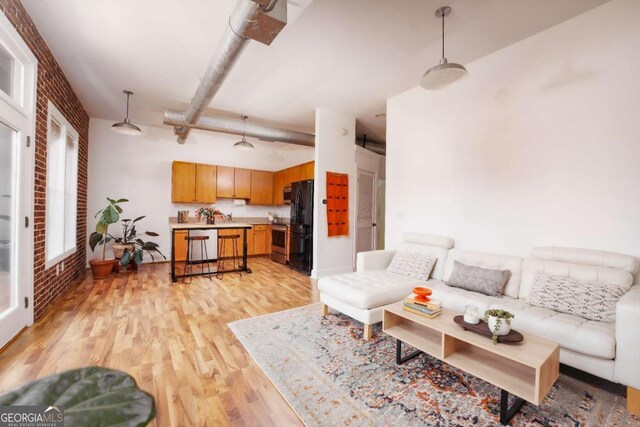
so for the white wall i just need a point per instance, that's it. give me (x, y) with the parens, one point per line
(540, 146)
(139, 169)
(334, 152)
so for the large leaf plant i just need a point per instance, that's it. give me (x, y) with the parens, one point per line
(107, 216)
(130, 238)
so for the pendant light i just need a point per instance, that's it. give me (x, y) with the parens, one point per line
(446, 73)
(243, 144)
(126, 127)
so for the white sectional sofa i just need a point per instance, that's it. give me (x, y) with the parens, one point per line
(607, 350)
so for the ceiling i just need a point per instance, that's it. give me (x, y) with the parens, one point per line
(346, 55)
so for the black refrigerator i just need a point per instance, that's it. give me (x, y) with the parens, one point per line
(301, 237)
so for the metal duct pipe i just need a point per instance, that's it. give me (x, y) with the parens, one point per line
(376, 147)
(251, 19)
(237, 127)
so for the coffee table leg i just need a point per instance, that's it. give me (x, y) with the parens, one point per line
(399, 359)
(507, 412)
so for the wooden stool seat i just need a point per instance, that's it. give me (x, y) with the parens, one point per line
(196, 238)
(229, 236)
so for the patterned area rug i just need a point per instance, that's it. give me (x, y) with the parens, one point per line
(331, 377)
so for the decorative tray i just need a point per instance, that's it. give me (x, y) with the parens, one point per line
(483, 329)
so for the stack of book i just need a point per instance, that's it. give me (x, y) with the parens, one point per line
(428, 309)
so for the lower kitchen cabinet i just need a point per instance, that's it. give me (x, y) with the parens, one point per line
(181, 245)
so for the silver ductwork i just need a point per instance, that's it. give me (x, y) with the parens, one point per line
(376, 147)
(260, 20)
(237, 127)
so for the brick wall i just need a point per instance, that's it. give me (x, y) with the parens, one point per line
(53, 86)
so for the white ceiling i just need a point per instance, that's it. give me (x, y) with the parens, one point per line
(347, 55)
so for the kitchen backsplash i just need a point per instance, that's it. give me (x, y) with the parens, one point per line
(227, 206)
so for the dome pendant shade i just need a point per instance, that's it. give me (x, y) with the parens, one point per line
(445, 74)
(243, 144)
(126, 127)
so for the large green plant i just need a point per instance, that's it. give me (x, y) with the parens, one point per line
(130, 237)
(108, 215)
(90, 396)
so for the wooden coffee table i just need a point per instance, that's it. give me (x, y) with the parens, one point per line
(527, 369)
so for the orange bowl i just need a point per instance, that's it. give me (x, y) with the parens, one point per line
(422, 293)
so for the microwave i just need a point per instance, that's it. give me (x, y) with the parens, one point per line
(286, 193)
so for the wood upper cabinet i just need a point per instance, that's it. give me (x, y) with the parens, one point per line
(205, 183)
(295, 174)
(278, 186)
(183, 182)
(286, 177)
(225, 183)
(242, 184)
(261, 188)
(309, 170)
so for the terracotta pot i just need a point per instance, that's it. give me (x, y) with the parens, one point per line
(118, 250)
(211, 220)
(101, 269)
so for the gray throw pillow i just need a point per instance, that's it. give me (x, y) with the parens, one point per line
(412, 264)
(483, 280)
(590, 300)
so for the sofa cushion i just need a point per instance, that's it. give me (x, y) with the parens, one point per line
(589, 337)
(456, 298)
(487, 260)
(590, 300)
(412, 265)
(369, 289)
(486, 281)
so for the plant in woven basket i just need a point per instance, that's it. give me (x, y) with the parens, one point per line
(499, 322)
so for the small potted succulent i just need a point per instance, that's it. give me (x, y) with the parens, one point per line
(102, 268)
(499, 322)
(130, 247)
(209, 214)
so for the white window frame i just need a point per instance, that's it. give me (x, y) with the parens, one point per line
(66, 129)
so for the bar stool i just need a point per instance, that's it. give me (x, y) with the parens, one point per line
(234, 254)
(203, 253)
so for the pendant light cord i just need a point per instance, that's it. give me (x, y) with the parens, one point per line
(443, 36)
(127, 105)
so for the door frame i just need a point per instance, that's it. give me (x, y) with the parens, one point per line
(19, 114)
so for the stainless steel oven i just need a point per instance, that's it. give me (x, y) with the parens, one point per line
(279, 243)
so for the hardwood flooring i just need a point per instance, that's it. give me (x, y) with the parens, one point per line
(173, 338)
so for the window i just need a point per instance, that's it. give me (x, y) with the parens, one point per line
(62, 187)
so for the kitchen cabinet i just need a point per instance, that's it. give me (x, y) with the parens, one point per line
(181, 245)
(296, 174)
(278, 186)
(225, 182)
(260, 240)
(206, 177)
(288, 240)
(183, 182)
(309, 170)
(286, 177)
(227, 243)
(233, 183)
(261, 188)
(242, 183)
(193, 183)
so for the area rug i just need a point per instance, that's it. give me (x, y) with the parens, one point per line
(331, 377)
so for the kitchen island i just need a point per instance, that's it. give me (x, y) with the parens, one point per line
(174, 226)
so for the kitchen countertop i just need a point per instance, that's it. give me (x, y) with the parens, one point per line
(175, 225)
(235, 220)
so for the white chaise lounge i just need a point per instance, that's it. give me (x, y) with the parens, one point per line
(362, 294)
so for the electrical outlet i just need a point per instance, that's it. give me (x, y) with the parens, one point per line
(63, 266)
(57, 269)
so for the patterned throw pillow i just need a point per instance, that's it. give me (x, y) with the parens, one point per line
(411, 264)
(483, 280)
(590, 300)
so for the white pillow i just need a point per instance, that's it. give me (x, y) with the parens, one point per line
(590, 300)
(412, 264)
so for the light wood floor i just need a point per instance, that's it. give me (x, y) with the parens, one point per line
(173, 339)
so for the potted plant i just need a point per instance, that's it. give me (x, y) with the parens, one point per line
(273, 217)
(132, 246)
(209, 214)
(102, 268)
(499, 322)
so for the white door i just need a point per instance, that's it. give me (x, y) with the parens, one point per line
(17, 83)
(366, 211)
